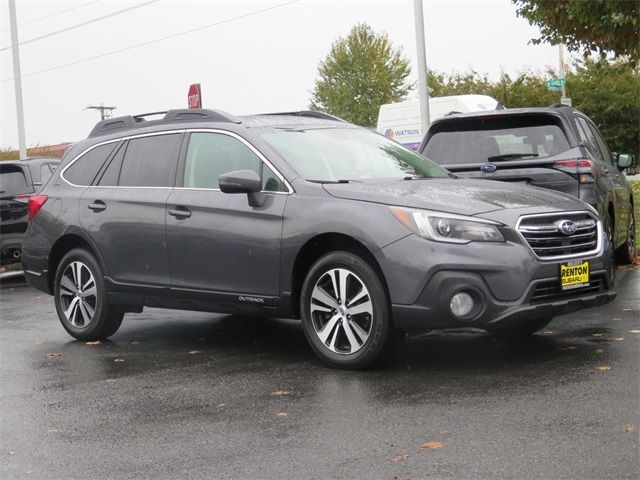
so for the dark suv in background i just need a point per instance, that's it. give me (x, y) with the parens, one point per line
(18, 181)
(301, 215)
(558, 148)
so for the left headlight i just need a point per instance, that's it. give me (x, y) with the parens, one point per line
(445, 227)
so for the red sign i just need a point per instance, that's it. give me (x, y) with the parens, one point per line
(194, 97)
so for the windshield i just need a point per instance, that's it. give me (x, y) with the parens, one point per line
(498, 144)
(340, 154)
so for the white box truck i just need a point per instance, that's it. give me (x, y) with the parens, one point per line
(401, 121)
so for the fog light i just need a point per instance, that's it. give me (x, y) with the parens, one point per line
(461, 304)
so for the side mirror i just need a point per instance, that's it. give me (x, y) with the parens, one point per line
(243, 181)
(624, 160)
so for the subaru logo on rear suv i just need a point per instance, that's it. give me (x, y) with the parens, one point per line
(567, 227)
(488, 168)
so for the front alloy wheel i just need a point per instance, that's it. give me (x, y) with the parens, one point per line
(341, 311)
(345, 311)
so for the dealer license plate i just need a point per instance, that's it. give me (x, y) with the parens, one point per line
(574, 274)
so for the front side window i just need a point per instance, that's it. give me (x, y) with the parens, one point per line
(84, 169)
(335, 154)
(150, 161)
(210, 155)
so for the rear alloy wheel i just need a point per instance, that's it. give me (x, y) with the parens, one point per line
(80, 298)
(345, 311)
(626, 253)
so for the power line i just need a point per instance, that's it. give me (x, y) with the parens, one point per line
(143, 44)
(54, 14)
(82, 24)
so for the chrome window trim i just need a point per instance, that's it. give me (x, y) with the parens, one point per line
(595, 251)
(289, 191)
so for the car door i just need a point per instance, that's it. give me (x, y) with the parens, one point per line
(604, 186)
(123, 212)
(217, 242)
(622, 206)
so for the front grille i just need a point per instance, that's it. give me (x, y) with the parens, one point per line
(550, 291)
(546, 239)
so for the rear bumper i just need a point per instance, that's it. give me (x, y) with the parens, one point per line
(9, 244)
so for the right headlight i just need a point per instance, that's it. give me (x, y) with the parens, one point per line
(447, 227)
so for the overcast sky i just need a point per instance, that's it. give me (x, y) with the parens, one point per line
(250, 63)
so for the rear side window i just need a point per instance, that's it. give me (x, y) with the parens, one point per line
(111, 175)
(84, 169)
(484, 142)
(45, 173)
(150, 161)
(213, 154)
(13, 181)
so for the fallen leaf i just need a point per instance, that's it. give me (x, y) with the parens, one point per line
(110, 380)
(630, 427)
(599, 350)
(195, 352)
(400, 458)
(633, 331)
(119, 360)
(619, 339)
(432, 445)
(281, 414)
(54, 354)
(97, 342)
(547, 332)
(568, 348)
(596, 335)
(135, 342)
(281, 393)
(39, 342)
(53, 430)
(603, 368)
(627, 309)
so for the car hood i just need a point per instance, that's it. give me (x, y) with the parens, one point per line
(460, 196)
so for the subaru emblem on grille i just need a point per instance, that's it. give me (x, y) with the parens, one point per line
(488, 168)
(567, 227)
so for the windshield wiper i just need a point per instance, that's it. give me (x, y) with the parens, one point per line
(342, 180)
(510, 156)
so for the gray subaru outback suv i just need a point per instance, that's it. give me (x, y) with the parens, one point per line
(302, 215)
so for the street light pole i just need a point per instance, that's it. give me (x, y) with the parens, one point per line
(17, 78)
(423, 87)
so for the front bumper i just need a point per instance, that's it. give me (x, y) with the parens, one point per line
(507, 282)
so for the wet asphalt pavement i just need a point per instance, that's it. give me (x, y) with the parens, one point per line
(193, 395)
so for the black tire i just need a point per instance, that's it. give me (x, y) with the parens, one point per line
(627, 252)
(105, 320)
(522, 330)
(382, 336)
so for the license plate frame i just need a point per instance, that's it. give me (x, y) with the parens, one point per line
(575, 274)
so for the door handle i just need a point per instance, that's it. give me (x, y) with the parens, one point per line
(97, 206)
(179, 213)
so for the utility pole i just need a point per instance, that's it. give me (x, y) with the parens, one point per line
(423, 87)
(563, 72)
(17, 78)
(105, 112)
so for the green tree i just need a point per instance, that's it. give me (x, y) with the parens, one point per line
(360, 73)
(587, 26)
